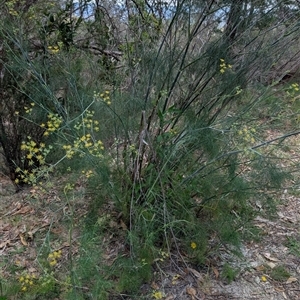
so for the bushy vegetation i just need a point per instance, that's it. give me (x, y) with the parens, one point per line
(163, 110)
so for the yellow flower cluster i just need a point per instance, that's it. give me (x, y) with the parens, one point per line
(88, 122)
(35, 155)
(238, 90)
(27, 281)
(11, 8)
(157, 295)
(105, 97)
(293, 91)
(94, 148)
(132, 149)
(54, 257)
(247, 135)
(295, 87)
(224, 66)
(32, 177)
(175, 279)
(193, 245)
(173, 131)
(69, 151)
(163, 255)
(88, 173)
(53, 124)
(27, 109)
(53, 49)
(68, 187)
(85, 142)
(34, 151)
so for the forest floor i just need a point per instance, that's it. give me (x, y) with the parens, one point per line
(269, 268)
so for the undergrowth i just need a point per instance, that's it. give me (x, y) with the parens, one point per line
(181, 151)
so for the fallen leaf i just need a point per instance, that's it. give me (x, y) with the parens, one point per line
(292, 220)
(170, 297)
(4, 244)
(123, 225)
(216, 272)
(260, 268)
(23, 210)
(191, 291)
(30, 235)
(195, 273)
(281, 215)
(154, 286)
(291, 279)
(269, 257)
(65, 244)
(175, 279)
(56, 230)
(23, 239)
(18, 205)
(32, 270)
(271, 265)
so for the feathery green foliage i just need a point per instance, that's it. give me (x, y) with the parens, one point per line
(176, 137)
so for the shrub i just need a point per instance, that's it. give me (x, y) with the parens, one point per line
(177, 146)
